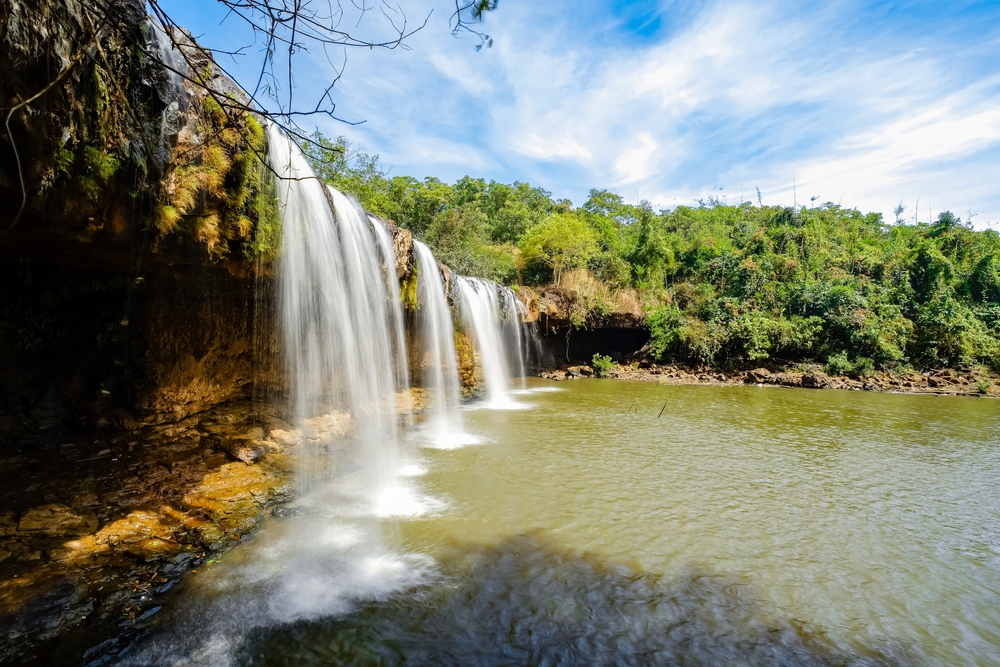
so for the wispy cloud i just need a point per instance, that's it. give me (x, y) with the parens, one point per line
(865, 104)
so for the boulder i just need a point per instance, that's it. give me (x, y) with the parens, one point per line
(327, 428)
(758, 376)
(790, 380)
(248, 450)
(815, 380)
(286, 437)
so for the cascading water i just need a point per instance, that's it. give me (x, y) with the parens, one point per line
(341, 321)
(384, 239)
(341, 324)
(341, 346)
(439, 364)
(491, 311)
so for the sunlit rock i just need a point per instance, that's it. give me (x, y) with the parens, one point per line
(56, 520)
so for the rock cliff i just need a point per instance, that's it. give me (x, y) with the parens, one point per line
(137, 226)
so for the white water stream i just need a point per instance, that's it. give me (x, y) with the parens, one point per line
(384, 239)
(491, 311)
(438, 362)
(341, 320)
(341, 332)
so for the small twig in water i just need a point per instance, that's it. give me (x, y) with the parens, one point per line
(631, 405)
(662, 409)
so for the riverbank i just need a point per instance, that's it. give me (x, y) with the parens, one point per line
(94, 530)
(594, 526)
(943, 381)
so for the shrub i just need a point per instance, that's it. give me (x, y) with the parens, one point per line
(665, 330)
(601, 365)
(838, 364)
(864, 367)
(984, 386)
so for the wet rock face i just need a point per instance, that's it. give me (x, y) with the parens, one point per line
(92, 530)
(86, 351)
(122, 143)
(134, 323)
(198, 345)
(41, 40)
(56, 520)
(402, 245)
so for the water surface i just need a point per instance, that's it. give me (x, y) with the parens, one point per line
(743, 526)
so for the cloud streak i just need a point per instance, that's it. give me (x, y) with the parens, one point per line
(866, 105)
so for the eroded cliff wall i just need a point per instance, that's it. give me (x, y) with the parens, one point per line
(137, 226)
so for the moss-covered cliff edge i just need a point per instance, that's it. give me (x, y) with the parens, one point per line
(136, 219)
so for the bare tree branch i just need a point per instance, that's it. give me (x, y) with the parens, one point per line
(468, 12)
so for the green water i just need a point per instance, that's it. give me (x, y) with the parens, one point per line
(744, 525)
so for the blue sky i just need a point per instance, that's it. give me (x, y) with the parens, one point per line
(863, 104)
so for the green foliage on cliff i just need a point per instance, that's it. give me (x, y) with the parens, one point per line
(720, 283)
(222, 194)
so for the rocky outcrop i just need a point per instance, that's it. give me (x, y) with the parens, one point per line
(402, 246)
(134, 279)
(55, 520)
(124, 141)
(93, 531)
(815, 380)
(557, 308)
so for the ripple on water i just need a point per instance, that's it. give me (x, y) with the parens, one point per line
(524, 602)
(742, 526)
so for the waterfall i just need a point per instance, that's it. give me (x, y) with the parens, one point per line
(440, 367)
(169, 88)
(491, 311)
(384, 239)
(511, 314)
(338, 322)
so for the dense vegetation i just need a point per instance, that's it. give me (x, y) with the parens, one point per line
(735, 284)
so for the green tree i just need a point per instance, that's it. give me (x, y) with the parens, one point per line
(562, 241)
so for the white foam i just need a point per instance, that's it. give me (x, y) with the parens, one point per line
(412, 470)
(502, 403)
(402, 501)
(436, 439)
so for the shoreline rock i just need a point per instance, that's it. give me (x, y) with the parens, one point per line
(95, 530)
(941, 382)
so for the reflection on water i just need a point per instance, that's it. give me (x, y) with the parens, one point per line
(522, 602)
(745, 526)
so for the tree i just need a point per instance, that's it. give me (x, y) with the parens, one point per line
(563, 241)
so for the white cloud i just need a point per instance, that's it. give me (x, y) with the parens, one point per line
(634, 163)
(742, 95)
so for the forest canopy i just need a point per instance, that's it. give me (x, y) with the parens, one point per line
(718, 283)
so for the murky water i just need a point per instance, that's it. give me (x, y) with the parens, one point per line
(743, 526)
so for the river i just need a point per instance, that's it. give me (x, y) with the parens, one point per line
(617, 523)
